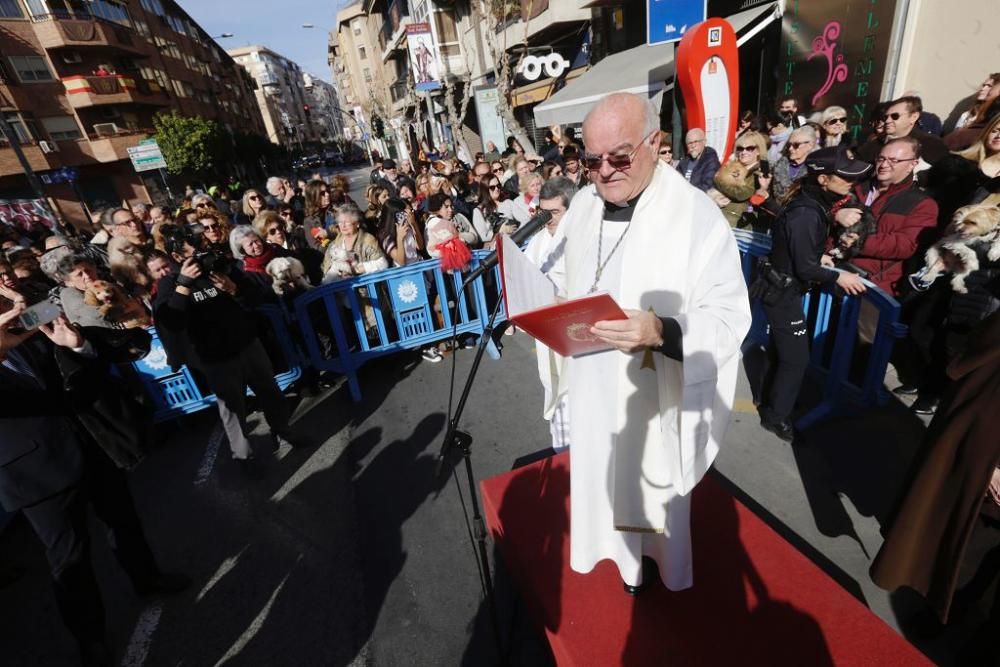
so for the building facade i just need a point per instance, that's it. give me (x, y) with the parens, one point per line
(281, 95)
(325, 108)
(81, 82)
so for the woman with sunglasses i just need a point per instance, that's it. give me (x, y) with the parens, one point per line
(551, 170)
(254, 253)
(252, 205)
(273, 228)
(215, 231)
(319, 211)
(834, 122)
(740, 180)
(486, 214)
(791, 166)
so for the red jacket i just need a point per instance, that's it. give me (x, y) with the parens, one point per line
(899, 234)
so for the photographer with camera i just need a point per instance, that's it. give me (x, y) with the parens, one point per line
(799, 239)
(487, 219)
(203, 318)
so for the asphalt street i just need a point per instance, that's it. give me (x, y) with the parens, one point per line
(352, 551)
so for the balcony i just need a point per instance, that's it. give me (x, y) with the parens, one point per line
(59, 32)
(115, 147)
(90, 91)
(37, 158)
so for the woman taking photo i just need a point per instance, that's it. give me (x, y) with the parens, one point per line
(215, 231)
(485, 215)
(319, 214)
(399, 234)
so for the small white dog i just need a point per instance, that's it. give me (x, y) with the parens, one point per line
(338, 263)
(289, 275)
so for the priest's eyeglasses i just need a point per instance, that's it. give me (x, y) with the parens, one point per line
(616, 162)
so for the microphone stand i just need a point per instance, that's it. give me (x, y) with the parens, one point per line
(461, 441)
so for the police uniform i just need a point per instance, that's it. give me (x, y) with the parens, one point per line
(798, 242)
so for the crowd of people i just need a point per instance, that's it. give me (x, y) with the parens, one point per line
(899, 204)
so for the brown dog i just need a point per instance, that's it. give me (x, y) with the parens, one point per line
(115, 306)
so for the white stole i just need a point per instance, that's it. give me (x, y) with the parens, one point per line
(684, 268)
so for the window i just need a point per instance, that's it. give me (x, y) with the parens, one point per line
(178, 87)
(368, 75)
(111, 11)
(10, 9)
(153, 7)
(176, 24)
(62, 128)
(31, 68)
(23, 125)
(361, 53)
(142, 28)
(447, 34)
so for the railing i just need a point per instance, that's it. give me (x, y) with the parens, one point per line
(835, 354)
(174, 393)
(349, 322)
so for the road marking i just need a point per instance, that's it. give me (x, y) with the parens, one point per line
(224, 569)
(211, 453)
(142, 637)
(258, 621)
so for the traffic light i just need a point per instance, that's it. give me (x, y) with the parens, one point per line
(305, 109)
(378, 127)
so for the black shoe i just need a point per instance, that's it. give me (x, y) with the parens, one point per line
(635, 590)
(251, 469)
(925, 405)
(782, 429)
(906, 390)
(286, 438)
(164, 583)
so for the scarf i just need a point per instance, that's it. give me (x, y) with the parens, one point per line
(259, 263)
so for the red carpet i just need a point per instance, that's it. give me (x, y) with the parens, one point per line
(756, 599)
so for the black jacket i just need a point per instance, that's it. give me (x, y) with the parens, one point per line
(206, 325)
(45, 428)
(799, 239)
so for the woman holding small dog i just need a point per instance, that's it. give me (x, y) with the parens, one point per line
(353, 251)
(254, 254)
(740, 185)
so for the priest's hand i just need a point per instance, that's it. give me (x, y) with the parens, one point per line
(641, 331)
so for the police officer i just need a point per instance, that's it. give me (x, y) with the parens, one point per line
(796, 265)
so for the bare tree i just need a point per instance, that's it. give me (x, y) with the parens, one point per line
(491, 13)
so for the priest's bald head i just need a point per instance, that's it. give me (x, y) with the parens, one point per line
(622, 138)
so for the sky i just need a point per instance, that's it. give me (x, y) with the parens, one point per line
(276, 24)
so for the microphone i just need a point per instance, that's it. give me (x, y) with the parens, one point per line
(523, 233)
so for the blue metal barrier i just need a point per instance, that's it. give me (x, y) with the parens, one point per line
(833, 357)
(177, 393)
(346, 323)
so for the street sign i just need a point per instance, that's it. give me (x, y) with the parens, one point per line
(668, 20)
(146, 156)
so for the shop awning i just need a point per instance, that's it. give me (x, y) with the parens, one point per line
(644, 70)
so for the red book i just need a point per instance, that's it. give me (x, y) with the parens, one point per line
(530, 299)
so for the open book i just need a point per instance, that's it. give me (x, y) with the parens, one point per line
(530, 299)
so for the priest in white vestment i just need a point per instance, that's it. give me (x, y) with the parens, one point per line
(648, 417)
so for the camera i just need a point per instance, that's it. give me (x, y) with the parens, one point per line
(212, 262)
(496, 220)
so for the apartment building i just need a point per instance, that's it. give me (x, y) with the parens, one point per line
(361, 76)
(280, 95)
(326, 111)
(80, 83)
